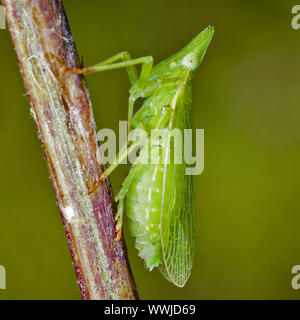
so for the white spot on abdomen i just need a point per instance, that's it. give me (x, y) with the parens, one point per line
(149, 194)
(154, 174)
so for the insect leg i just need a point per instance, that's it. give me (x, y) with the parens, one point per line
(121, 199)
(125, 150)
(124, 56)
(131, 70)
(132, 100)
(111, 64)
(125, 185)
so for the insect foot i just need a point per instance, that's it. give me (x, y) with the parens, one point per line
(119, 235)
(119, 220)
(75, 70)
(64, 69)
(96, 185)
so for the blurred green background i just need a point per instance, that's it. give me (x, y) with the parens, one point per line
(246, 97)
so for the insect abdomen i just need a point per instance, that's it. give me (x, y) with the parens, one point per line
(143, 204)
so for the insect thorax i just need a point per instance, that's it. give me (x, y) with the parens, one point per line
(166, 98)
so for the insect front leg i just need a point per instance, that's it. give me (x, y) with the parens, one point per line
(127, 62)
(123, 56)
(132, 99)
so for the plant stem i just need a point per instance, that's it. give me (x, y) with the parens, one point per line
(62, 111)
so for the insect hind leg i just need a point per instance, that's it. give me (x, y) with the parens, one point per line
(121, 199)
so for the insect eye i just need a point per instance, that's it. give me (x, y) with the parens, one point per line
(190, 61)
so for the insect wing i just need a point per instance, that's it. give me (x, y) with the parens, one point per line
(177, 210)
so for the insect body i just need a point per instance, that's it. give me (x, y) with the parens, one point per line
(158, 198)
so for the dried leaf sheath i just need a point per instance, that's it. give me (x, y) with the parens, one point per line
(62, 111)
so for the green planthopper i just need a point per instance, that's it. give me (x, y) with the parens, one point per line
(158, 197)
